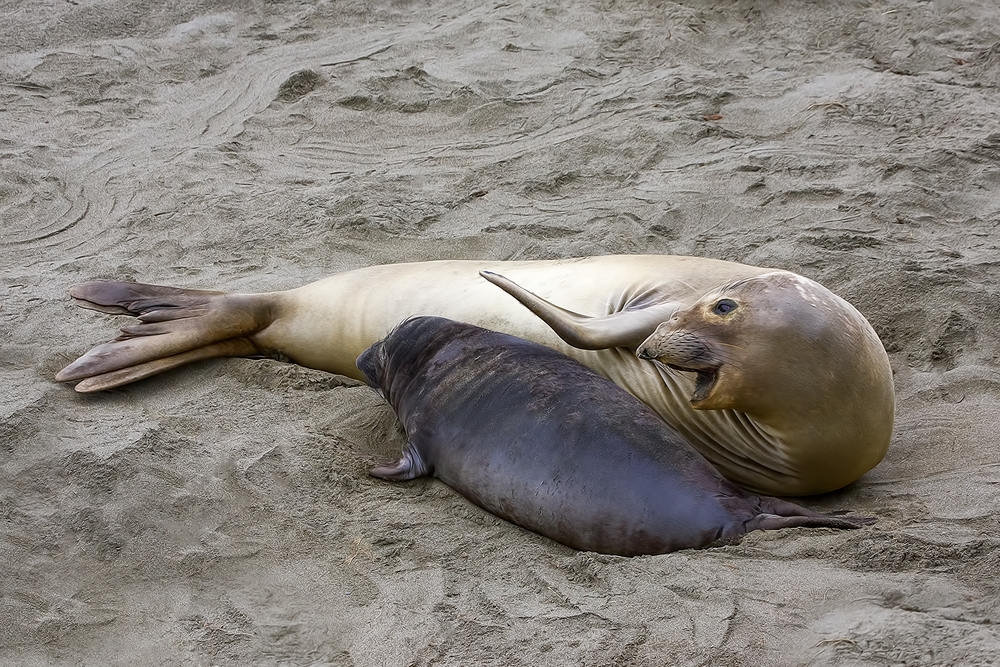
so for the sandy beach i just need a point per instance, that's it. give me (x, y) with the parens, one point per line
(222, 514)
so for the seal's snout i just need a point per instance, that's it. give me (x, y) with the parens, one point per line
(687, 352)
(681, 349)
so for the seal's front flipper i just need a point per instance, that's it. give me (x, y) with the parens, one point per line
(176, 326)
(410, 466)
(626, 328)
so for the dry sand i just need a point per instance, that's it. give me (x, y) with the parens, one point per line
(221, 514)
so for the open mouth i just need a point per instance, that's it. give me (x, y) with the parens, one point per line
(687, 352)
(704, 380)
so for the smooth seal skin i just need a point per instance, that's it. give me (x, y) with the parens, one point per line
(598, 310)
(544, 442)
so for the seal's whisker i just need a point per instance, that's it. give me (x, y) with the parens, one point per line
(665, 368)
(728, 359)
(729, 356)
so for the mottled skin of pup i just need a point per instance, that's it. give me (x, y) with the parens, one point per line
(544, 442)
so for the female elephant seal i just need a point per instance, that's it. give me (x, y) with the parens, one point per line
(794, 394)
(544, 442)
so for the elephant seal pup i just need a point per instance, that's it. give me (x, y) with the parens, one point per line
(833, 428)
(544, 442)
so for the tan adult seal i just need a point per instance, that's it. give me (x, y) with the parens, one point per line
(794, 393)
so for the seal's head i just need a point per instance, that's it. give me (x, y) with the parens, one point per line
(789, 353)
(757, 343)
(391, 364)
(371, 362)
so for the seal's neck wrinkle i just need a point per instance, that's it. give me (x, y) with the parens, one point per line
(753, 453)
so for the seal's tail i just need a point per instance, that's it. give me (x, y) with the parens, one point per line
(777, 513)
(176, 326)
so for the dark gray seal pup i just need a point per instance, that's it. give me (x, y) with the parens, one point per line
(544, 442)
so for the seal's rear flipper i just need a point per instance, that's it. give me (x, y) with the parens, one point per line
(176, 326)
(774, 522)
(777, 513)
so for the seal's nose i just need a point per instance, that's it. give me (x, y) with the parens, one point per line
(643, 354)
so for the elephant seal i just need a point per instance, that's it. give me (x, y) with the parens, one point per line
(598, 310)
(544, 442)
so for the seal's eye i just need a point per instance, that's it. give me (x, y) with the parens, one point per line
(724, 307)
